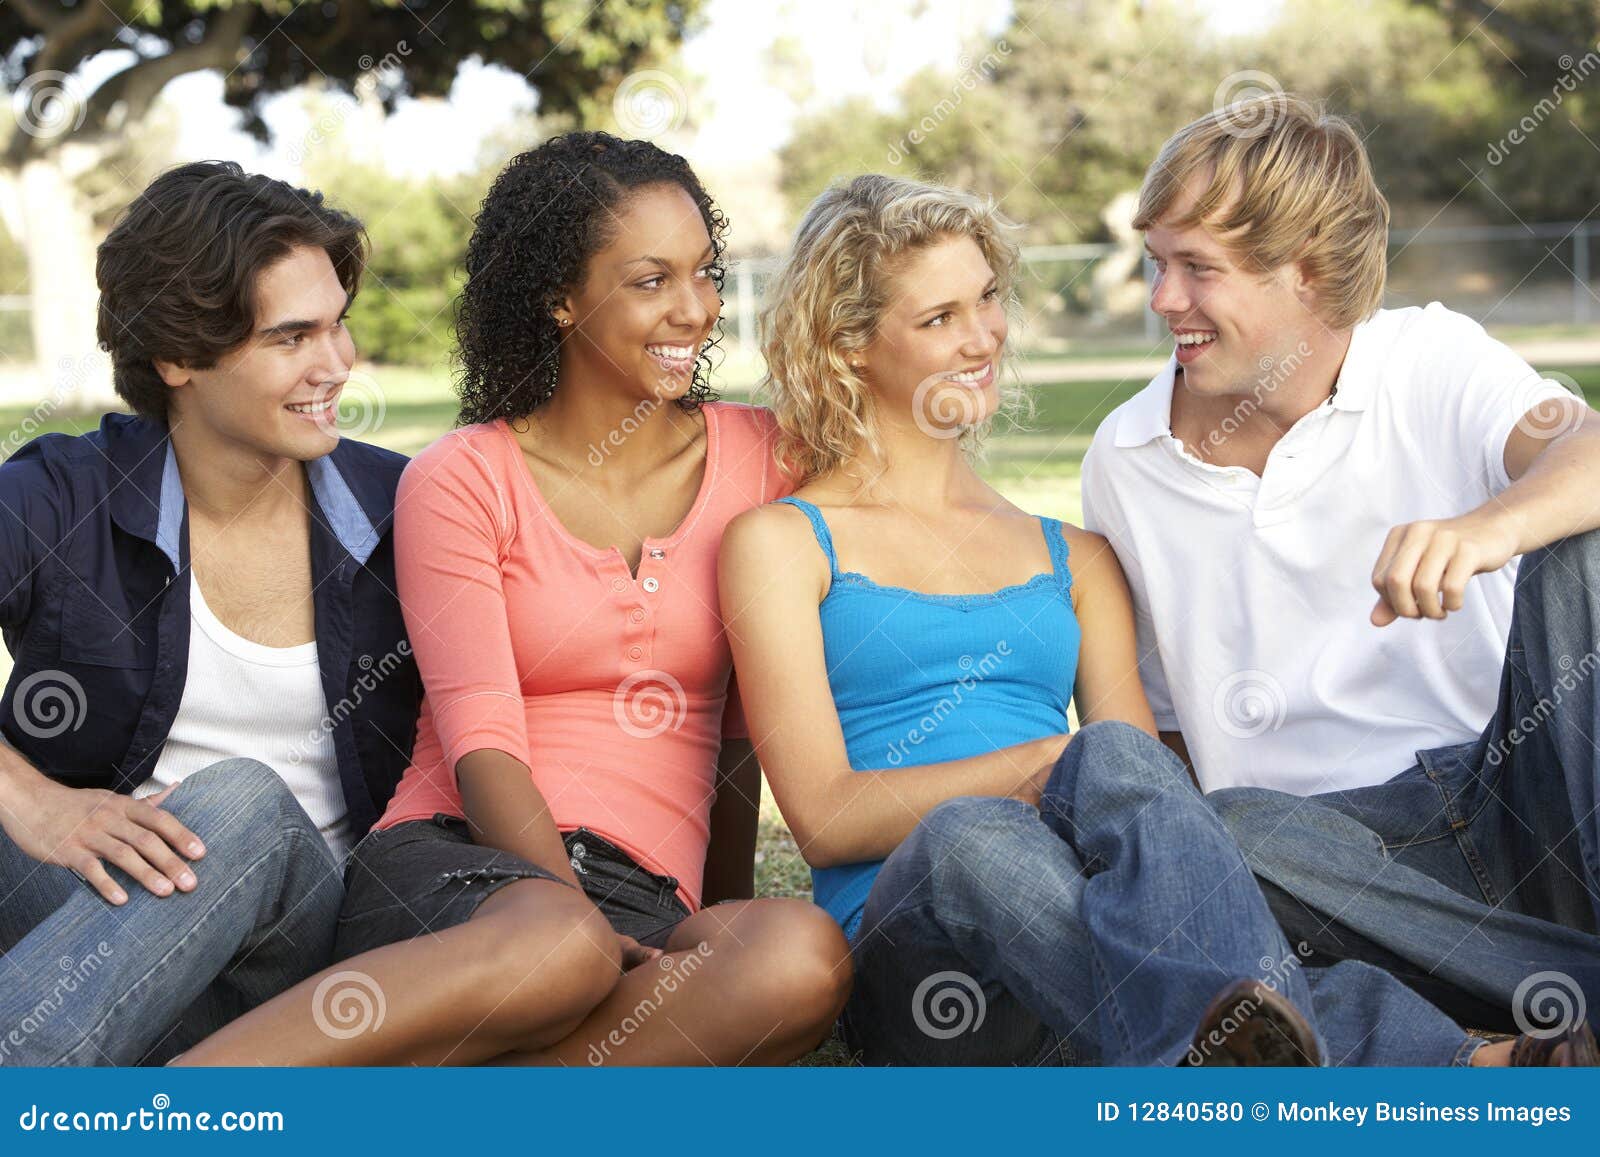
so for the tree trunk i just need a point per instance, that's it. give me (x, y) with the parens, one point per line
(58, 236)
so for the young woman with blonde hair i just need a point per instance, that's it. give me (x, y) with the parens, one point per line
(908, 641)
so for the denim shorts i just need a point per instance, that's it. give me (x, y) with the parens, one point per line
(427, 875)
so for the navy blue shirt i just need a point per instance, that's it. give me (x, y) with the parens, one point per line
(94, 606)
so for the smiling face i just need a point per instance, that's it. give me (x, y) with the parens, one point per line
(648, 300)
(276, 395)
(935, 353)
(1231, 325)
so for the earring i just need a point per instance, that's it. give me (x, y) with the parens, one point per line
(563, 321)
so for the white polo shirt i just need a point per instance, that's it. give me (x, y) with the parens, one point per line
(1252, 594)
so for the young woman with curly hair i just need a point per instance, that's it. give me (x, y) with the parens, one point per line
(908, 642)
(539, 889)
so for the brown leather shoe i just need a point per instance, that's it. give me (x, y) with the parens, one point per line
(1574, 1048)
(1249, 1024)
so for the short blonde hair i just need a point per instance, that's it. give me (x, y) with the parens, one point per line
(1284, 180)
(829, 297)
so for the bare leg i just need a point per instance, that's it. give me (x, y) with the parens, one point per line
(758, 982)
(1496, 1054)
(531, 963)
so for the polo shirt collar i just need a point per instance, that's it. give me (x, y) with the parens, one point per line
(1359, 375)
(1148, 414)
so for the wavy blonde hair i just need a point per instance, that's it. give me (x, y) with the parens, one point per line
(829, 297)
(1283, 180)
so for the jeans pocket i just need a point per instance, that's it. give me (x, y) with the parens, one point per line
(622, 879)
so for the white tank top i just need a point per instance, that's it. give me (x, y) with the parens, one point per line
(245, 699)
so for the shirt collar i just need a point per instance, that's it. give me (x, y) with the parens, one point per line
(150, 501)
(346, 517)
(1358, 376)
(1148, 414)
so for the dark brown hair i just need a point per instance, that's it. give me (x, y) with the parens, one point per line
(178, 274)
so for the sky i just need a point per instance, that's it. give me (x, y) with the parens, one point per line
(734, 109)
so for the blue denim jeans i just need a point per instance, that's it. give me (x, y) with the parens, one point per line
(85, 982)
(1474, 874)
(1096, 928)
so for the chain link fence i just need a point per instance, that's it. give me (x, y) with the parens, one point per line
(1092, 298)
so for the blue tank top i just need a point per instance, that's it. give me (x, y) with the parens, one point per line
(922, 678)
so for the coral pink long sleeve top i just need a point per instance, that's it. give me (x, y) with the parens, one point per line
(612, 687)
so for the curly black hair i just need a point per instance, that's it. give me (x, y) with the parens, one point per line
(547, 213)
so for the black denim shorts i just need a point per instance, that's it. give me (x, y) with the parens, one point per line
(427, 875)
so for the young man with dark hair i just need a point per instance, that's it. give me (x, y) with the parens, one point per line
(213, 694)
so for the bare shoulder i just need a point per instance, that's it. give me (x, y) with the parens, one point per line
(776, 539)
(1085, 545)
(1093, 563)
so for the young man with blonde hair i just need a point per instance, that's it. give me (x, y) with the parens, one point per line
(1321, 506)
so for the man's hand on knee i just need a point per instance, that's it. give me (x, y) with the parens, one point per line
(83, 829)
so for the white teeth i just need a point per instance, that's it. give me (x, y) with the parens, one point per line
(311, 407)
(671, 352)
(1195, 338)
(970, 376)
